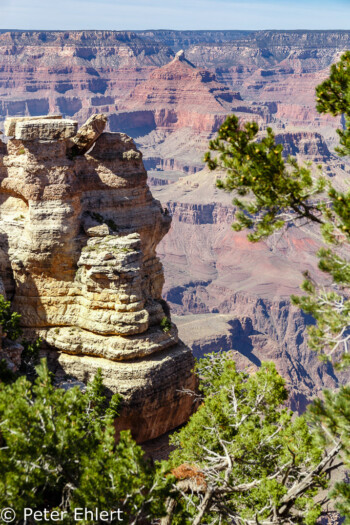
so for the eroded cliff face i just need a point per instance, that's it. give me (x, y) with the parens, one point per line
(78, 238)
(230, 294)
(76, 73)
(171, 107)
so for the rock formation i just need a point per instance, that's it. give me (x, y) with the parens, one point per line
(176, 111)
(180, 83)
(78, 238)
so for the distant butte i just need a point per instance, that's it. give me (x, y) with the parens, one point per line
(181, 83)
(177, 110)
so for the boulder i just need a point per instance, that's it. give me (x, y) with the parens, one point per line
(45, 129)
(88, 134)
(10, 123)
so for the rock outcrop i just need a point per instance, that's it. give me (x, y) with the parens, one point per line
(88, 134)
(78, 233)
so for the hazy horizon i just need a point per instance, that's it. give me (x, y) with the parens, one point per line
(183, 15)
(279, 29)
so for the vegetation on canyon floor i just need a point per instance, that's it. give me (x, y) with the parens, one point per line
(242, 458)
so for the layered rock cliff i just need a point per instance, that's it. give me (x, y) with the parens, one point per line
(230, 294)
(76, 73)
(131, 76)
(78, 238)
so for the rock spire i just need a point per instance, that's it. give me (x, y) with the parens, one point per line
(78, 238)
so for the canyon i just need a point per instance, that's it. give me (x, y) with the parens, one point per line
(170, 91)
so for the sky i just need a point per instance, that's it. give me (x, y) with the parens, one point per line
(174, 14)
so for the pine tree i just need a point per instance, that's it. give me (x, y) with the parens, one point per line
(243, 458)
(58, 452)
(270, 193)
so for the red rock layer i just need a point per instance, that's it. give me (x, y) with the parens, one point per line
(72, 72)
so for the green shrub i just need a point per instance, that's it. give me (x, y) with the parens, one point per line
(9, 320)
(58, 451)
(165, 324)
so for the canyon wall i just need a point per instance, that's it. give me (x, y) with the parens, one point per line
(73, 73)
(78, 234)
(79, 73)
(171, 107)
(230, 294)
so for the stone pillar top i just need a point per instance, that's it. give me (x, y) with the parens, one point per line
(10, 123)
(51, 127)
